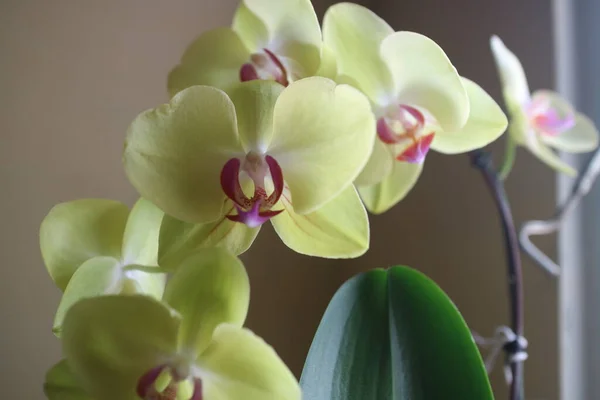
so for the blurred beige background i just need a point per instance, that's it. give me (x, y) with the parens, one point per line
(75, 73)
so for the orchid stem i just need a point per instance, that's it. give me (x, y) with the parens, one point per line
(483, 162)
(510, 154)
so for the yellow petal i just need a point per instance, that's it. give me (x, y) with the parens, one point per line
(78, 230)
(425, 77)
(240, 365)
(61, 384)
(354, 34)
(213, 59)
(379, 166)
(180, 239)
(174, 154)
(254, 102)
(381, 197)
(323, 137)
(97, 276)
(339, 229)
(209, 288)
(545, 153)
(485, 124)
(140, 241)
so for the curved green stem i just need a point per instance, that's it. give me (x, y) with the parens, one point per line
(509, 158)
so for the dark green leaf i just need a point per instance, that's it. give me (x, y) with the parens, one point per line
(393, 335)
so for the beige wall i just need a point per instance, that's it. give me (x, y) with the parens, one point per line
(74, 74)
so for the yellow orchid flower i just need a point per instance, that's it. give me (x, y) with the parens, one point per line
(273, 40)
(418, 98)
(542, 120)
(93, 247)
(220, 165)
(191, 347)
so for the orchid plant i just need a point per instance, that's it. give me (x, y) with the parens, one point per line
(273, 120)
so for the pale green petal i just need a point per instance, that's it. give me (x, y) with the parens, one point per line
(250, 28)
(425, 77)
(254, 102)
(174, 154)
(514, 83)
(581, 138)
(545, 153)
(136, 280)
(328, 67)
(323, 137)
(111, 341)
(210, 287)
(485, 124)
(339, 229)
(378, 167)
(140, 242)
(78, 230)
(293, 30)
(354, 34)
(179, 239)
(95, 277)
(213, 59)
(61, 384)
(381, 197)
(240, 365)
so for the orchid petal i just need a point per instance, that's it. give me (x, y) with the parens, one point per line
(485, 124)
(425, 77)
(112, 341)
(209, 288)
(254, 102)
(549, 157)
(581, 138)
(250, 28)
(240, 365)
(140, 241)
(381, 197)
(179, 239)
(379, 166)
(78, 230)
(339, 229)
(174, 154)
(61, 384)
(323, 136)
(354, 34)
(213, 59)
(293, 30)
(514, 83)
(328, 67)
(95, 277)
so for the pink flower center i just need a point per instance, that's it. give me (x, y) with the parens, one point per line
(404, 128)
(256, 210)
(548, 120)
(147, 390)
(264, 65)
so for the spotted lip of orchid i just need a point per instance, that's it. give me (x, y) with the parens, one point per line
(278, 41)
(542, 120)
(191, 346)
(405, 128)
(256, 210)
(420, 100)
